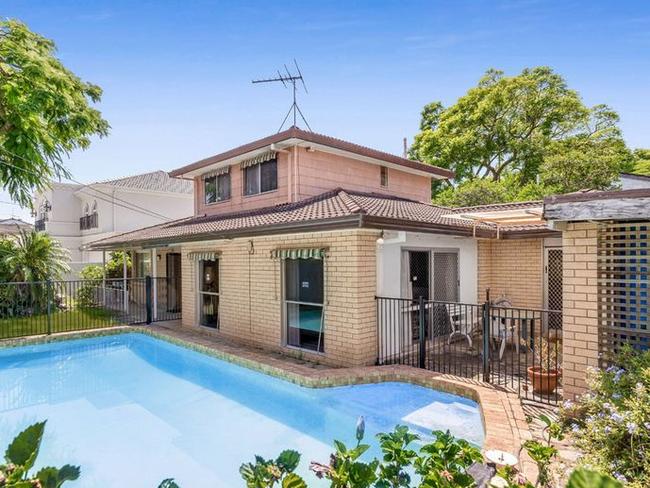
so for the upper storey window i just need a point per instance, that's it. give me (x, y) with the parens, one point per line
(383, 176)
(260, 174)
(216, 186)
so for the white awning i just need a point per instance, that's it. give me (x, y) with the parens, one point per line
(260, 158)
(204, 255)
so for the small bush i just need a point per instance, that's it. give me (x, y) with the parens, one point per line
(611, 423)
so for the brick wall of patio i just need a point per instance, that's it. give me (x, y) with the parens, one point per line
(251, 292)
(580, 300)
(512, 268)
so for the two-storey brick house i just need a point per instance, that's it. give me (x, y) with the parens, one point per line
(294, 235)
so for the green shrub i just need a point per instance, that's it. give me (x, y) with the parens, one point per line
(20, 457)
(611, 423)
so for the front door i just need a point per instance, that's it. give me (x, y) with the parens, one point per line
(173, 282)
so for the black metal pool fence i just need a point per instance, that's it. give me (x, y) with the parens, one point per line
(46, 307)
(516, 348)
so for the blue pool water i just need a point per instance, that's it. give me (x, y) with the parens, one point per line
(132, 410)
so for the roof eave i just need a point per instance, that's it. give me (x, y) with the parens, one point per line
(351, 221)
(295, 136)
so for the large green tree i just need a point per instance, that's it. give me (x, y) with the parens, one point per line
(45, 112)
(520, 136)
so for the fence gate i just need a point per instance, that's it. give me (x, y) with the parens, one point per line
(516, 348)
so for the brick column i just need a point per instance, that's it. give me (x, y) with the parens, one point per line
(580, 306)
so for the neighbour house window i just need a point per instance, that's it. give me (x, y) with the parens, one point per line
(303, 297)
(89, 219)
(260, 178)
(383, 176)
(208, 292)
(216, 188)
(143, 264)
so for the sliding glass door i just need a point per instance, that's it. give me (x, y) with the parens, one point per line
(303, 302)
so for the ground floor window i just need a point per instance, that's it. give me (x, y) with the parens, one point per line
(303, 301)
(208, 293)
(143, 263)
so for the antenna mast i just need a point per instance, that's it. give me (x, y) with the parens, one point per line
(291, 78)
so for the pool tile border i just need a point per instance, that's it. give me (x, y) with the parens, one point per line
(504, 421)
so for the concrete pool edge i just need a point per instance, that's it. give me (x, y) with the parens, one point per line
(503, 419)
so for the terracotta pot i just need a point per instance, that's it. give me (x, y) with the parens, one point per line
(544, 383)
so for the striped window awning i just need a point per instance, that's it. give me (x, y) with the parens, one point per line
(260, 158)
(307, 253)
(216, 172)
(204, 255)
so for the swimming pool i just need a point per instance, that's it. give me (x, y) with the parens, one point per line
(132, 410)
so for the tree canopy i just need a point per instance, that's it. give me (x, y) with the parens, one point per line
(33, 256)
(641, 162)
(522, 136)
(45, 112)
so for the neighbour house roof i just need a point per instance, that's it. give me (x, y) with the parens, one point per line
(337, 208)
(159, 181)
(14, 222)
(295, 135)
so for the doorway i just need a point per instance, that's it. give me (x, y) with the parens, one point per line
(173, 269)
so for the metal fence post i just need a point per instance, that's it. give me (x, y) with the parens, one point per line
(48, 295)
(486, 342)
(148, 298)
(421, 323)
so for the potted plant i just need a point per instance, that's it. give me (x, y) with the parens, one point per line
(545, 372)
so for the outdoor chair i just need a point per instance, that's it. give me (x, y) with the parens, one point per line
(462, 323)
(502, 328)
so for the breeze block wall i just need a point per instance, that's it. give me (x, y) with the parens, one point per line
(580, 345)
(251, 292)
(512, 268)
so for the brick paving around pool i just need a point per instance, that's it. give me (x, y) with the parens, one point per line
(503, 418)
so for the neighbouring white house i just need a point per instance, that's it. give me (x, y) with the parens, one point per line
(77, 214)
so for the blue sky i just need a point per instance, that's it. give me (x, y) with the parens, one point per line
(176, 74)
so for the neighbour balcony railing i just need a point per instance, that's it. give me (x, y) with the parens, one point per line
(39, 225)
(88, 221)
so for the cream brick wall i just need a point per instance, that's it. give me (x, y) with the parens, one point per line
(580, 300)
(514, 268)
(251, 292)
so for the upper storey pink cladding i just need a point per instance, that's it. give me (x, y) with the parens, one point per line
(294, 165)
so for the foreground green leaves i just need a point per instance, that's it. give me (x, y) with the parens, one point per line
(20, 457)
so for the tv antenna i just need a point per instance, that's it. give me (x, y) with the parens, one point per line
(287, 78)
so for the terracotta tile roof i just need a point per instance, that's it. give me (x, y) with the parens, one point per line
(154, 181)
(496, 207)
(297, 133)
(337, 207)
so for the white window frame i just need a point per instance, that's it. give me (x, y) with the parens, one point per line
(285, 302)
(258, 173)
(200, 292)
(216, 187)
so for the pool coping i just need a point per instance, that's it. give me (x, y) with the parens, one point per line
(503, 418)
